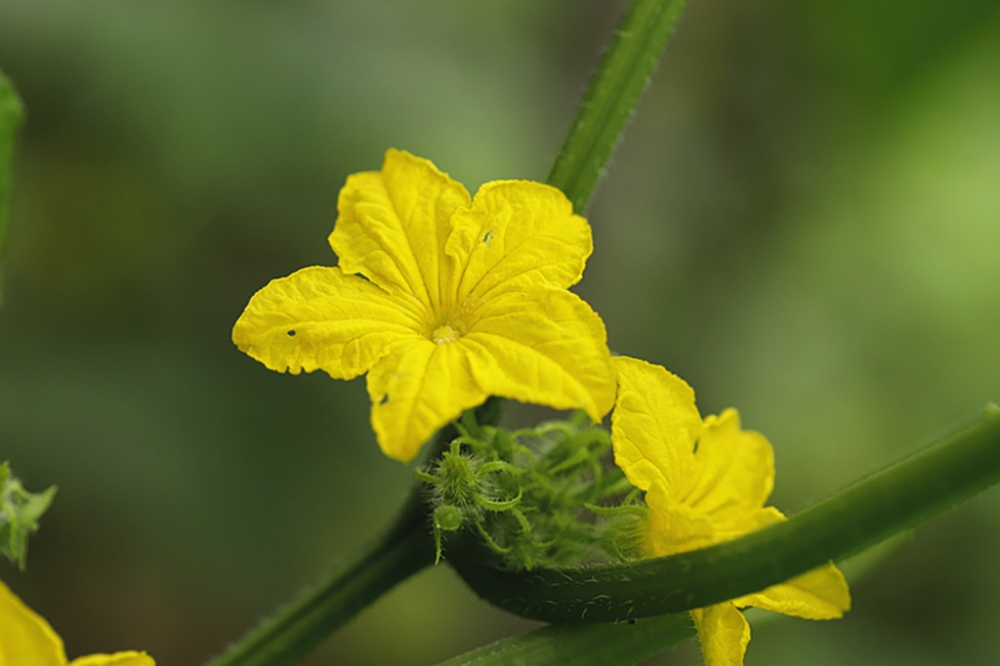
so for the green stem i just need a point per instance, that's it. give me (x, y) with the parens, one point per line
(11, 111)
(611, 97)
(864, 514)
(403, 550)
(572, 645)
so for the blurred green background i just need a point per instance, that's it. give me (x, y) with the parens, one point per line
(803, 221)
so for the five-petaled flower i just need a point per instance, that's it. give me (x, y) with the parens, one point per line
(443, 300)
(26, 639)
(707, 482)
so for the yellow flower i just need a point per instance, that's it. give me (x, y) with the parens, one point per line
(443, 300)
(26, 639)
(707, 482)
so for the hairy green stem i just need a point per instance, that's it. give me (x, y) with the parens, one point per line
(11, 111)
(403, 550)
(611, 97)
(860, 516)
(572, 645)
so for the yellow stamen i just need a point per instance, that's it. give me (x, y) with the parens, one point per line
(443, 334)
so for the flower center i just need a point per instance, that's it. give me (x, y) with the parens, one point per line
(443, 334)
(447, 326)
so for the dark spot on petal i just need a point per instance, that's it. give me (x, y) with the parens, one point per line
(488, 237)
(384, 399)
(291, 334)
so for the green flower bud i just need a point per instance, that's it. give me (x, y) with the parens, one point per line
(448, 518)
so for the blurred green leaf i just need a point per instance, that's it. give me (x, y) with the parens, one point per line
(20, 512)
(621, 644)
(10, 119)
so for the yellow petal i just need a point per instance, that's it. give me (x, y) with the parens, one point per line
(734, 470)
(724, 634)
(416, 389)
(392, 225)
(319, 318)
(117, 659)
(820, 594)
(545, 346)
(26, 639)
(675, 528)
(654, 426)
(734, 524)
(518, 234)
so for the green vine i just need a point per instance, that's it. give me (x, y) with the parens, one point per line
(870, 511)
(611, 97)
(11, 111)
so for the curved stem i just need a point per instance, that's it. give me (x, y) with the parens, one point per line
(611, 97)
(403, 550)
(618, 644)
(860, 516)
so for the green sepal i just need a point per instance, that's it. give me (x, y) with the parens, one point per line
(20, 513)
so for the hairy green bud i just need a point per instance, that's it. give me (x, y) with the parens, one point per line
(542, 496)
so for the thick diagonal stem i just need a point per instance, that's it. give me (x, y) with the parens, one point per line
(403, 550)
(613, 644)
(864, 514)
